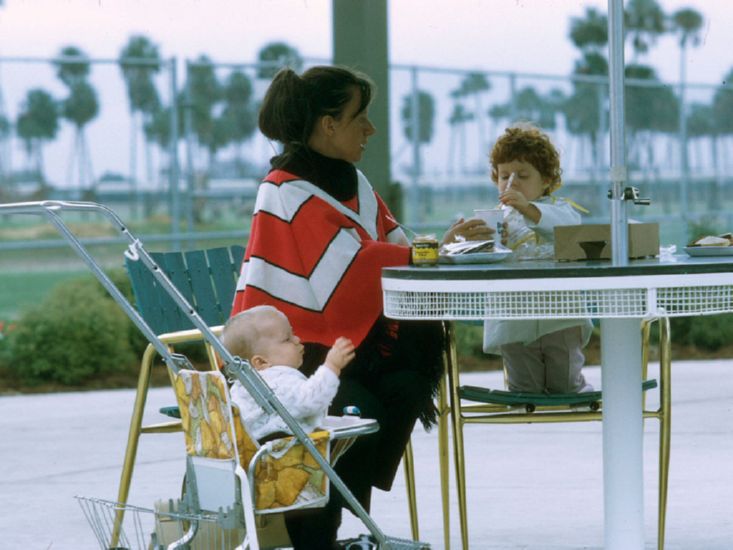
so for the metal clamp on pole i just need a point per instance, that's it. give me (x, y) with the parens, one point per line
(632, 194)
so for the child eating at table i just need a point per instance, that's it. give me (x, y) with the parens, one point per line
(263, 336)
(540, 356)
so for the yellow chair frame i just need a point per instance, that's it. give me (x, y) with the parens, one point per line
(461, 414)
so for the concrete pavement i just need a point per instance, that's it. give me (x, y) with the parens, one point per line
(533, 487)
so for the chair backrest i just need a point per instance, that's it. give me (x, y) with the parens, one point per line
(206, 278)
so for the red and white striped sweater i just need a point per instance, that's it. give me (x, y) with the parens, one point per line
(319, 260)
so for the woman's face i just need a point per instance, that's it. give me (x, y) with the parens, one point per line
(351, 131)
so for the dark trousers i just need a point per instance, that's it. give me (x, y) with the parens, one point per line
(394, 399)
(392, 380)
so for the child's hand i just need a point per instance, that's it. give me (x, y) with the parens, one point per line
(514, 198)
(340, 355)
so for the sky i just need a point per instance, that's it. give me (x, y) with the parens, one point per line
(520, 35)
(524, 36)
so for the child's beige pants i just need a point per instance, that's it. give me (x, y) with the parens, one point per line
(552, 363)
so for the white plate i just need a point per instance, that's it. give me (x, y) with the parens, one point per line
(709, 250)
(475, 258)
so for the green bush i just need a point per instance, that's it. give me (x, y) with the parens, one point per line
(196, 352)
(710, 332)
(119, 277)
(76, 334)
(704, 332)
(470, 339)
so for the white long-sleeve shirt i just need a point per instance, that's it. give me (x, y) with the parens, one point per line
(307, 399)
(554, 211)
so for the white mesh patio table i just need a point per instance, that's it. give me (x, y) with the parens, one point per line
(617, 295)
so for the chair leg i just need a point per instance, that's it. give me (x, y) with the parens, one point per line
(665, 433)
(409, 462)
(443, 457)
(457, 423)
(646, 325)
(128, 464)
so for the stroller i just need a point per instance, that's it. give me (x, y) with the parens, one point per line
(218, 490)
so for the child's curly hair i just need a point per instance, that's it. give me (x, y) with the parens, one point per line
(527, 143)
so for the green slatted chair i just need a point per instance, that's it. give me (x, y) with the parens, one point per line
(479, 405)
(207, 279)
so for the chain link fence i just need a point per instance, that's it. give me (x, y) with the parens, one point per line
(173, 145)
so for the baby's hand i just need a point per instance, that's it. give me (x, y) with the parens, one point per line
(340, 355)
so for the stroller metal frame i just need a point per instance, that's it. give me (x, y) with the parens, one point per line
(234, 367)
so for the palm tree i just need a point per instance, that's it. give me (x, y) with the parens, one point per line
(475, 84)
(4, 148)
(498, 113)
(723, 112)
(80, 108)
(649, 109)
(701, 125)
(687, 23)
(423, 132)
(457, 122)
(205, 91)
(584, 110)
(276, 55)
(240, 110)
(644, 21)
(158, 131)
(589, 33)
(139, 61)
(532, 106)
(72, 66)
(37, 123)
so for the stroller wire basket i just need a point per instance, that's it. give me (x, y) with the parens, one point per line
(146, 529)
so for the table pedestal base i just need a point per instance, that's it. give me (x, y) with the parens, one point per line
(623, 483)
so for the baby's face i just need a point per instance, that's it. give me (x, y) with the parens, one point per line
(280, 346)
(527, 179)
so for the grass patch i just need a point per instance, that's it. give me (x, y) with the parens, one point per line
(21, 290)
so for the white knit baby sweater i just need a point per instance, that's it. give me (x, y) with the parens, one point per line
(307, 399)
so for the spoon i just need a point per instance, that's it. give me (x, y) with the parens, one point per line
(508, 186)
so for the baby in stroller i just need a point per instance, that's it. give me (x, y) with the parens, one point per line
(263, 336)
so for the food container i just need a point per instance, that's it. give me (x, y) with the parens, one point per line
(424, 250)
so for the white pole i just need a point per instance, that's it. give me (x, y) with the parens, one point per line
(619, 231)
(623, 475)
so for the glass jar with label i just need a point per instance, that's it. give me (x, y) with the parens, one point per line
(424, 250)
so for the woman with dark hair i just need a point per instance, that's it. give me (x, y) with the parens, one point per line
(320, 237)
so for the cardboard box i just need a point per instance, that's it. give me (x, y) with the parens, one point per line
(643, 241)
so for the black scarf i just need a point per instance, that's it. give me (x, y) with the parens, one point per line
(334, 176)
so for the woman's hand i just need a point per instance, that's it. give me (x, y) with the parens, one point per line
(472, 229)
